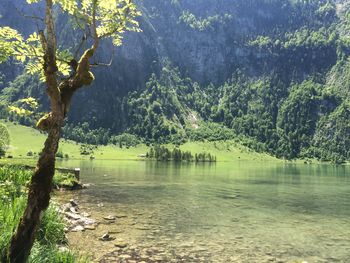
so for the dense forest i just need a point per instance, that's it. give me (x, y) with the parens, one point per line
(273, 73)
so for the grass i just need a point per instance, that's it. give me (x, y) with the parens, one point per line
(226, 151)
(25, 139)
(50, 236)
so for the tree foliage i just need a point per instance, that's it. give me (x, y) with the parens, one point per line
(109, 18)
(4, 139)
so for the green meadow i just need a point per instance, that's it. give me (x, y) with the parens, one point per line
(28, 141)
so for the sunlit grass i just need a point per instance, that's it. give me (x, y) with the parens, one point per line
(25, 139)
(50, 235)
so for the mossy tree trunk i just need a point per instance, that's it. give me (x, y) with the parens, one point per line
(60, 96)
(38, 197)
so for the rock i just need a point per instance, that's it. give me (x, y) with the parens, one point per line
(121, 216)
(106, 237)
(85, 186)
(63, 249)
(72, 216)
(157, 258)
(142, 228)
(78, 228)
(73, 203)
(73, 210)
(84, 214)
(87, 221)
(90, 227)
(121, 244)
(109, 218)
(124, 256)
(66, 207)
(116, 231)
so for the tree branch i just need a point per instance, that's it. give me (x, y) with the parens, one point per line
(82, 42)
(94, 27)
(112, 32)
(21, 13)
(96, 64)
(50, 64)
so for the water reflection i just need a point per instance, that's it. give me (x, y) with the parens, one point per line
(228, 212)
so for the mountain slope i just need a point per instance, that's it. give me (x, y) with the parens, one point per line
(274, 73)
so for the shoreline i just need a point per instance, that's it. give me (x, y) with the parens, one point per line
(32, 161)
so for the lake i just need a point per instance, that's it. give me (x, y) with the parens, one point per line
(224, 212)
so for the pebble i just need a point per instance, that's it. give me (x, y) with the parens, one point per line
(63, 249)
(72, 216)
(121, 244)
(84, 214)
(73, 210)
(121, 216)
(124, 256)
(106, 237)
(78, 228)
(109, 218)
(142, 228)
(90, 227)
(73, 203)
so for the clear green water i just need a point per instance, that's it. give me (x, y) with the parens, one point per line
(228, 212)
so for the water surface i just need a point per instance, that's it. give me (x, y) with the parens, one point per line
(227, 212)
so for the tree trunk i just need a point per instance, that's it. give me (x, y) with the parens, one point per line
(38, 197)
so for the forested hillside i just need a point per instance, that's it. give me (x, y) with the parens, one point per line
(273, 73)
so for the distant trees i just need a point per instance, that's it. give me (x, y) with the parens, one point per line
(162, 153)
(297, 118)
(202, 24)
(125, 140)
(332, 139)
(82, 133)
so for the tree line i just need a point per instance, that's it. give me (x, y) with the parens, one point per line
(162, 153)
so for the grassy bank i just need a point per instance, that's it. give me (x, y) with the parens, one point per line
(50, 245)
(25, 140)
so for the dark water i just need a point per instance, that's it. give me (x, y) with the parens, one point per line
(228, 212)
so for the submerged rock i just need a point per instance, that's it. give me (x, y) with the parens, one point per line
(109, 218)
(90, 227)
(121, 216)
(85, 186)
(143, 227)
(106, 237)
(121, 244)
